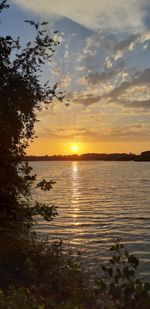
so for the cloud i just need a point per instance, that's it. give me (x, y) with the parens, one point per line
(116, 83)
(104, 77)
(84, 98)
(133, 93)
(137, 132)
(124, 133)
(127, 45)
(112, 87)
(117, 15)
(119, 49)
(66, 134)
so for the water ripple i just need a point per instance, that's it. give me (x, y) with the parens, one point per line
(98, 201)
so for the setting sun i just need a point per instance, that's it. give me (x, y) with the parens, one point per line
(75, 148)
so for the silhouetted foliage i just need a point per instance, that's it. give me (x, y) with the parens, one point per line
(36, 275)
(119, 282)
(21, 95)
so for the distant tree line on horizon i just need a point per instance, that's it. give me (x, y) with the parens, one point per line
(144, 156)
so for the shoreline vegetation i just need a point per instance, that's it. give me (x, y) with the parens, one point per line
(144, 156)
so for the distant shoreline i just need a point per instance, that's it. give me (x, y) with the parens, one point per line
(143, 157)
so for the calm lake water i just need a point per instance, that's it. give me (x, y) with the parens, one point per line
(98, 201)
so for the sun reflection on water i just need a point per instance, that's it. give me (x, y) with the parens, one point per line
(74, 169)
(75, 193)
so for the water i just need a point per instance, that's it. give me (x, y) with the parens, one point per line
(99, 201)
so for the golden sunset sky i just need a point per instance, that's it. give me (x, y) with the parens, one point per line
(102, 65)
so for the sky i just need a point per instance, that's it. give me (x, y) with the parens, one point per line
(102, 65)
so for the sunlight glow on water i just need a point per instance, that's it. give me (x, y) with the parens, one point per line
(75, 194)
(98, 201)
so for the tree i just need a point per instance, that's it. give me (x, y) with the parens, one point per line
(21, 95)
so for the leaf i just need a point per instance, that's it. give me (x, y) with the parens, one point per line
(45, 185)
(133, 261)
